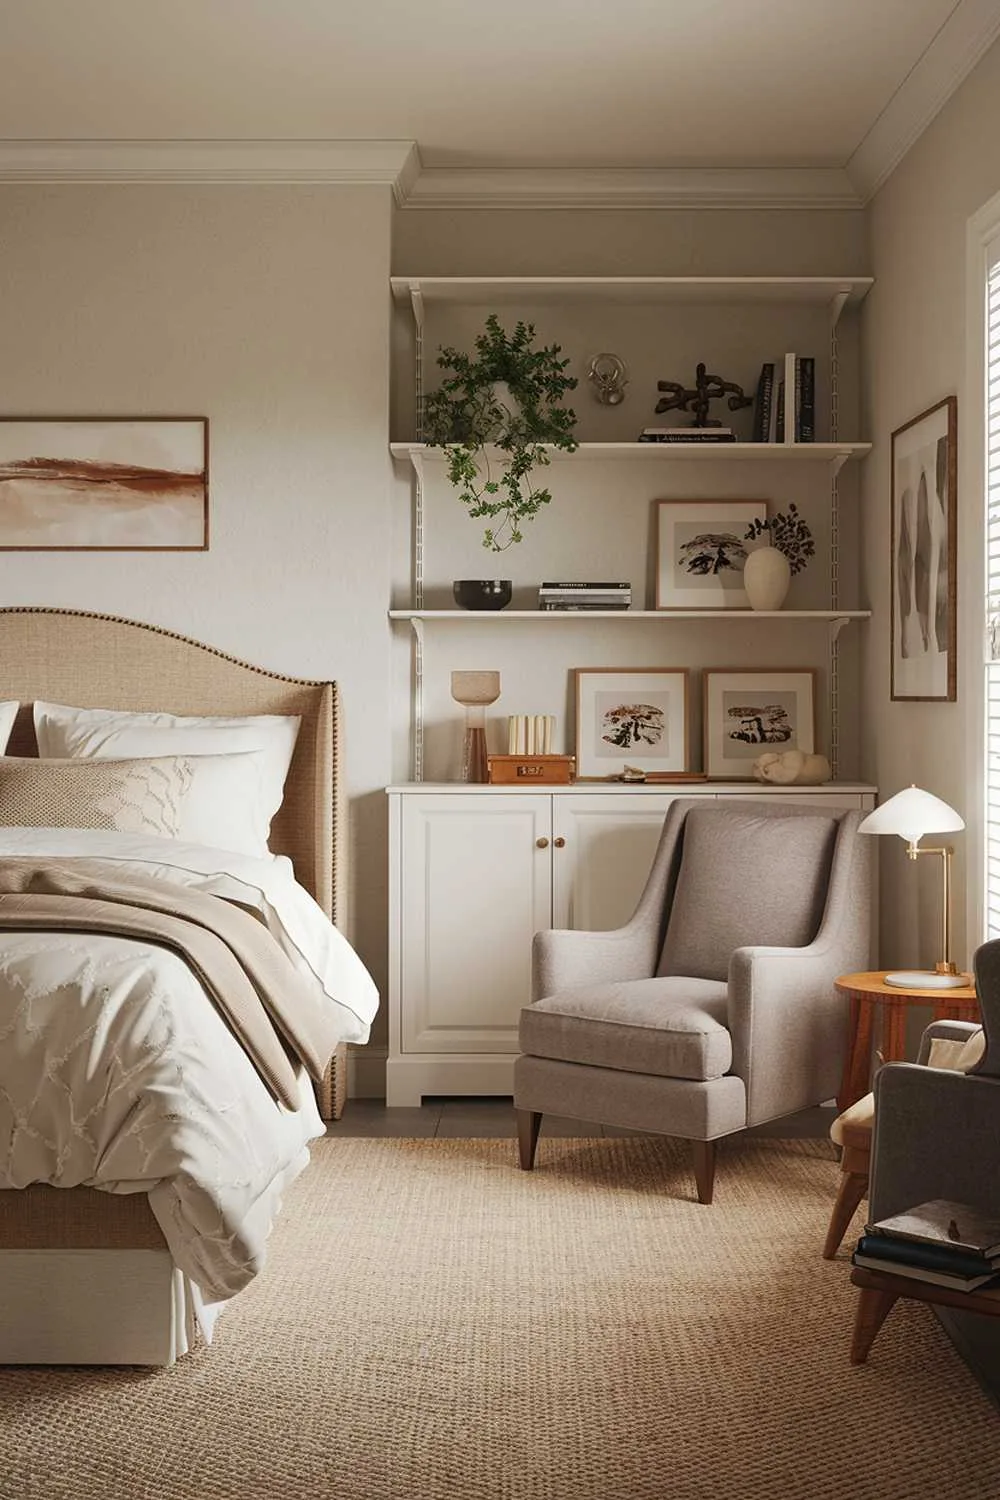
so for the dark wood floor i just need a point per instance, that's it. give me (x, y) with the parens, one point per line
(468, 1118)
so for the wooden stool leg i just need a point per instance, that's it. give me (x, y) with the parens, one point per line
(874, 1307)
(853, 1187)
(529, 1122)
(704, 1169)
(857, 1069)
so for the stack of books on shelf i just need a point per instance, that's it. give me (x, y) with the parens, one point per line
(585, 596)
(949, 1244)
(687, 435)
(797, 375)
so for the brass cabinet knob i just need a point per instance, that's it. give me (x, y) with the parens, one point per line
(559, 843)
(541, 843)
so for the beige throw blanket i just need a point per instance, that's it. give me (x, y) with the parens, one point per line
(251, 981)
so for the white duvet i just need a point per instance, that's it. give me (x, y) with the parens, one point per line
(117, 1072)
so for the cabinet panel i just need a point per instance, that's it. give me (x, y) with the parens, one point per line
(475, 887)
(598, 876)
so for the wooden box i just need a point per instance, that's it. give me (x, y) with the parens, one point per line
(531, 770)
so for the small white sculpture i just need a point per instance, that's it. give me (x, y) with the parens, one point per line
(791, 767)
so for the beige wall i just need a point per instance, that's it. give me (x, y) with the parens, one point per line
(914, 353)
(266, 310)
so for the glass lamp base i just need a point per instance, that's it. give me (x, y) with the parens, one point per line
(915, 979)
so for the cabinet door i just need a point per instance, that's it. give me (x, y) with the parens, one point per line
(599, 872)
(476, 887)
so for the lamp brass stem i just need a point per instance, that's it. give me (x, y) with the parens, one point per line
(945, 966)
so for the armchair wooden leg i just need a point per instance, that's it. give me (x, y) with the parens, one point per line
(704, 1169)
(874, 1307)
(529, 1122)
(853, 1187)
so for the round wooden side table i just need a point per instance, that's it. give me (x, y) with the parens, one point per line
(868, 993)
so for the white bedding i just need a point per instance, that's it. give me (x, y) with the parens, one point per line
(116, 1071)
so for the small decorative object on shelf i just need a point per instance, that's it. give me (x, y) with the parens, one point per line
(475, 691)
(696, 399)
(791, 767)
(530, 734)
(482, 593)
(506, 396)
(531, 770)
(608, 374)
(768, 570)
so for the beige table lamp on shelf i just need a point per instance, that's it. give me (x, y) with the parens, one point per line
(911, 814)
(475, 691)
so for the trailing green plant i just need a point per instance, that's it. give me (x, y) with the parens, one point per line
(789, 533)
(469, 418)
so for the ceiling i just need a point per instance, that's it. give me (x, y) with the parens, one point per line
(517, 85)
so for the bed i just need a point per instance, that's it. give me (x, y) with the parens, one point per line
(86, 1276)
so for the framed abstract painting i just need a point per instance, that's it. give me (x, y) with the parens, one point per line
(923, 570)
(700, 552)
(135, 484)
(746, 713)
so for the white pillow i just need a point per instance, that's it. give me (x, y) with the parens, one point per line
(201, 799)
(103, 733)
(8, 713)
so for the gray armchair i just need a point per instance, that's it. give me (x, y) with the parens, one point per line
(714, 1007)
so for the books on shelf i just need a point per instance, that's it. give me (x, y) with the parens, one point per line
(584, 595)
(796, 421)
(940, 1241)
(687, 435)
(764, 405)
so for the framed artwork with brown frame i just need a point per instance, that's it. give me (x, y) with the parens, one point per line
(104, 484)
(700, 552)
(748, 713)
(635, 716)
(923, 574)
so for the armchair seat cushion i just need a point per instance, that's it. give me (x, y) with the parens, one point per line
(671, 1027)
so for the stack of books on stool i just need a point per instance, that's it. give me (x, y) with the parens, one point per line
(947, 1244)
(585, 596)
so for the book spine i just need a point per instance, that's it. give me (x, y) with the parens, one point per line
(808, 414)
(791, 405)
(779, 426)
(762, 406)
(931, 1257)
(920, 1273)
(683, 437)
(548, 584)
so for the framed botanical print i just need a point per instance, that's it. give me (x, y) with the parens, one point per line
(627, 717)
(746, 713)
(923, 571)
(700, 552)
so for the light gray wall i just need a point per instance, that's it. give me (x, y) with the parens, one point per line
(266, 310)
(914, 353)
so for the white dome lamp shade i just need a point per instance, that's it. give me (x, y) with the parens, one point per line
(910, 815)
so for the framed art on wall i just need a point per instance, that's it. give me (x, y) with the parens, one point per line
(923, 572)
(700, 552)
(630, 717)
(104, 484)
(746, 713)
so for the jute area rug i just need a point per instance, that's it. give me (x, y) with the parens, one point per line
(434, 1324)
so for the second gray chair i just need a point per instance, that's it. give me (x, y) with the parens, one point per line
(712, 1009)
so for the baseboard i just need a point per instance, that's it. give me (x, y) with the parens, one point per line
(366, 1072)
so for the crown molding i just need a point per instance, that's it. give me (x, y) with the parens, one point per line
(395, 164)
(968, 33)
(639, 187)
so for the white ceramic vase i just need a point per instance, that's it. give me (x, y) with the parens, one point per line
(766, 576)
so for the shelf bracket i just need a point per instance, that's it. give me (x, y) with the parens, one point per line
(836, 625)
(836, 306)
(837, 462)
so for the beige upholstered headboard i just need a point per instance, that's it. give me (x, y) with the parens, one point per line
(99, 661)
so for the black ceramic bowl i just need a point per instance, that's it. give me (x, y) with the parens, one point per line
(482, 593)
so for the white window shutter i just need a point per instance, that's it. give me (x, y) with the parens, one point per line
(992, 586)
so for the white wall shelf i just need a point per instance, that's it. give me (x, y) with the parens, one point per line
(834, 291)
(835, 454)
(543, 616)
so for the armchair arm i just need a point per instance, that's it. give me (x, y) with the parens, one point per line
(936, 1136)
(944, 1031)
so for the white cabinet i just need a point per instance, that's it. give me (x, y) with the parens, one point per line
(474, 874)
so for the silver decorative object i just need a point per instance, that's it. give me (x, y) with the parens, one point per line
(608, 374)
